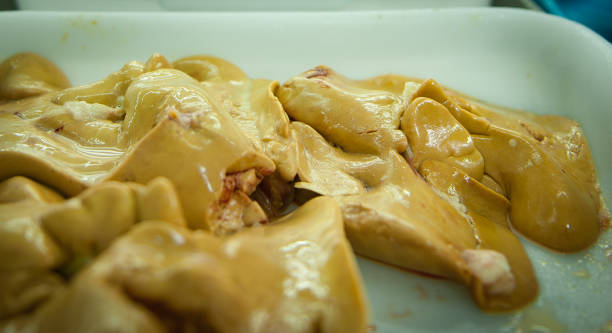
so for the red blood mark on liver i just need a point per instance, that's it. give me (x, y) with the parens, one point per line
(317, 71)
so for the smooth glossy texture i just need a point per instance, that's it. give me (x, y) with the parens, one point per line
(507, 43)
(149, 120)
(298, 275)
(358, 120)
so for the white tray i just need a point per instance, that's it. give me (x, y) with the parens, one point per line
(514, 58)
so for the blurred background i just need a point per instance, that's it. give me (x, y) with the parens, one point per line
(249, 5)
(595, 14)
